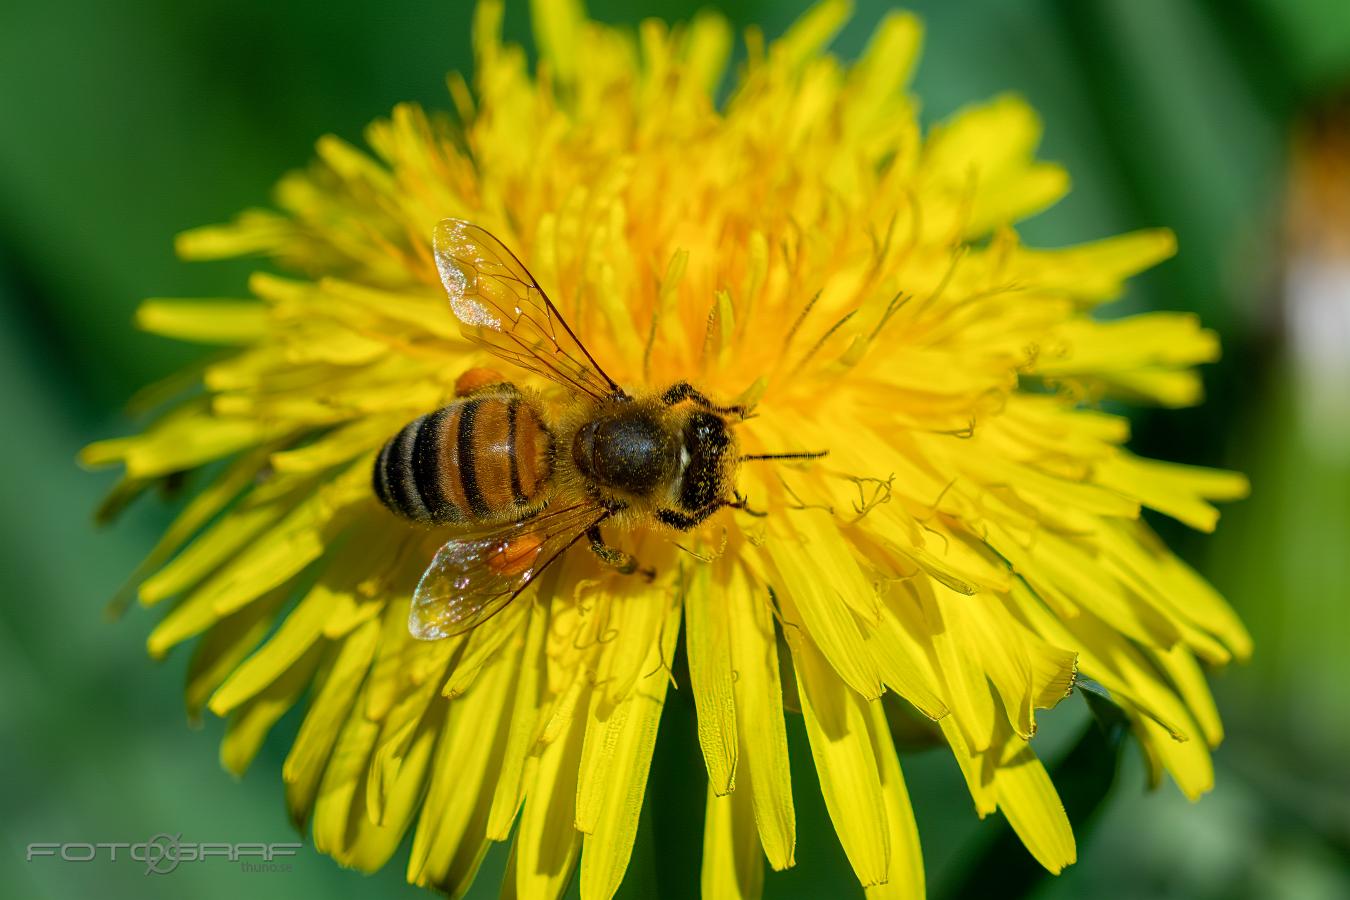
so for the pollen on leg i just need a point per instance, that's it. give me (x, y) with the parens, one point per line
(477, 379)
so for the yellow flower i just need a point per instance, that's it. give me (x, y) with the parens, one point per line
(971, 542)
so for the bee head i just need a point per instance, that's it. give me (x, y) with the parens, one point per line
(708, 456)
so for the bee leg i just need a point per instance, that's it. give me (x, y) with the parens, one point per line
(683, 521)
(742, 503)
(683, 390)
(625, 563)
(678, 520)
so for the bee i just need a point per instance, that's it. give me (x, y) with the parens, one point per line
(520, 487)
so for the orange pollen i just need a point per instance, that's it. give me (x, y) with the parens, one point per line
(474, 379)
(517, 555)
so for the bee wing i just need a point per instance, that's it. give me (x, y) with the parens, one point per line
(472, 578)
(502, 307)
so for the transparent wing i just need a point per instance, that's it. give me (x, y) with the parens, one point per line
(503, 308)
(473, 578)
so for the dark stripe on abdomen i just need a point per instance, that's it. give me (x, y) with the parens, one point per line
(468, 476)
(399, 473)
(532, 445)
(480, 459)
(408, 477)
(517, 494)
(427, 474)
(380, 475)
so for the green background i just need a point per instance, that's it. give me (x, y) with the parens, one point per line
(121, 124)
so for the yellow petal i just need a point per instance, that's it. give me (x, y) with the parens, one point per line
(985, 138)
(642, 618)
(979, 777)
(1027, 672)
(1145, 357)
(297, 634)
(450, 838)
(708, 644)
(1174, 586)
(544, 852)
(708, 46)
(1016, 196)
(298, 539)
(1047, 490)
(759, 717)
(813, 30)
(351, 163)
(1188, 762)
(402, 663)
(374, 842)
(986, 151)
(201, 509)
(485, 642)
(953, 657)
(1003, 656)
(610, 816)
(556, 27)
(339, 812)
(819, 575)
(204, 321)
(905, 878)
(1032, 807)
(837, 723)
(1069, 566)
(195, 614)
(1096, 270)
(334, 448)
(182, 443)
(224, 647)
(254, 231)
(1185, 673)
(888, 62)
(401, 727)
(733, 867)
(520, 739)
(253, 719)
(1108, 657)
(334, 696)
(899, 656)
(1179, 491)
(1052, 671)
(212, 548)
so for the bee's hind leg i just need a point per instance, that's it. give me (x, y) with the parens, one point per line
(626, 563)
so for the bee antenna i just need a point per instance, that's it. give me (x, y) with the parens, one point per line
(817, 454)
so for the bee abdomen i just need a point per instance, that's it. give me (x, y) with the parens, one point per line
(481, 459)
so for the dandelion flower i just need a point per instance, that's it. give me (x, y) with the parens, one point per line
(972, 541)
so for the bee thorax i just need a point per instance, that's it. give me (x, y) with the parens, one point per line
(631, 452)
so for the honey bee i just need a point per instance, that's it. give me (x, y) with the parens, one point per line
(521, 488)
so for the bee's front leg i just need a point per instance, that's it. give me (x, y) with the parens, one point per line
(683, 390)
(625, 563)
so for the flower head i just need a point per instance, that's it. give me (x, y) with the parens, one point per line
(970, 543)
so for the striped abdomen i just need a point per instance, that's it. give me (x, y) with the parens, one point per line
(481, 459)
